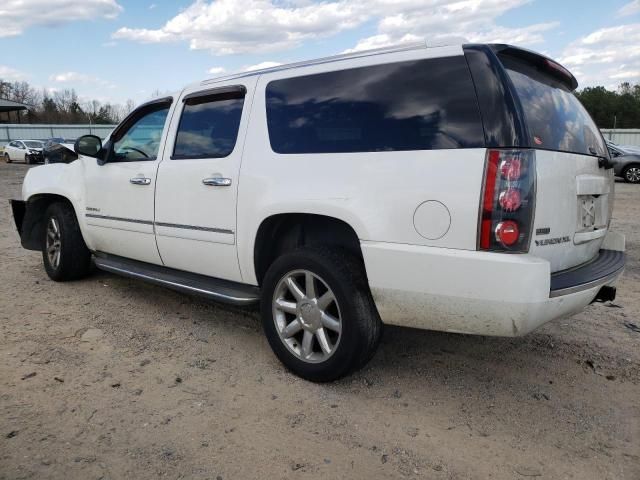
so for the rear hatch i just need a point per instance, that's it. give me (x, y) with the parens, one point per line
(574, 189)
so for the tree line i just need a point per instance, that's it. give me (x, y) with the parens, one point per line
(613, 109)
(61, 106)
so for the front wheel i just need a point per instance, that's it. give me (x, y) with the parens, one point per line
(64, 253)
(631, 174)
(7, 158)
(318, 313)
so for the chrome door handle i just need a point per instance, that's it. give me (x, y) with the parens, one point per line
(217, 181)
(140, 180)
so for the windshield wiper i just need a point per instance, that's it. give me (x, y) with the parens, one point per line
(603, 162)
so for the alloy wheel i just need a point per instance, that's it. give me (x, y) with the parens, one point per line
(54, 245)
(307, 316)
(633, 174)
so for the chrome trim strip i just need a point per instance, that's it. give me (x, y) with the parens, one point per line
(179, 286)
(161, 224)
(586, 286)
(118, 219)
(194, 227)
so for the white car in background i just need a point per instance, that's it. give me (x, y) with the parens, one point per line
(28, 151)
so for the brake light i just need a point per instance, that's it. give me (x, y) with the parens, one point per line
(507, 232)
(506, 216)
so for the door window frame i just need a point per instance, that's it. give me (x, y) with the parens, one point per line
(216, 94)
(130, 120)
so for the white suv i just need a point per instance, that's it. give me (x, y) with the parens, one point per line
(459, 188)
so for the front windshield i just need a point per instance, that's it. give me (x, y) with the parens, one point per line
(33, 144)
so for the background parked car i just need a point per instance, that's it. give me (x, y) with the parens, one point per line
(626, 162)
(28, 151)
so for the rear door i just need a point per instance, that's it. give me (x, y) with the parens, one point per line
(197, 183)
(574, 192)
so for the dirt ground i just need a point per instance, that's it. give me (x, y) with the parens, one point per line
(111, 378)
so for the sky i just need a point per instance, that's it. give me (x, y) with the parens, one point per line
(114, 50)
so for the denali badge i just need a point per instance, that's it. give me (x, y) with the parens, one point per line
(552, 241)
(92, 209)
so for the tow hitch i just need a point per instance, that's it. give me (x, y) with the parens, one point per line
(606, 294)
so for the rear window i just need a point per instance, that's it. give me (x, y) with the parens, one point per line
(555, 118)
(416, 105)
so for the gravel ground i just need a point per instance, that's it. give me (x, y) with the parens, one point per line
(113, 378)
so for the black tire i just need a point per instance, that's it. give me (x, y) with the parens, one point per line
(27, 160)
(74, 257)
(361, 327)
(7, 158)
(631, 173)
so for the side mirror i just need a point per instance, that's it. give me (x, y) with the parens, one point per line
(88, 145)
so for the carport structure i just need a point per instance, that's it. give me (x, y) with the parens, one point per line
(8, 106)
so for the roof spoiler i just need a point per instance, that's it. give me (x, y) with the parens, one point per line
(542, 62)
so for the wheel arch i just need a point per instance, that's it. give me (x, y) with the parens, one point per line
(33, 222)
(282, 232)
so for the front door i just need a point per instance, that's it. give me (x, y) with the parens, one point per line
(197, 183)
(119, 196)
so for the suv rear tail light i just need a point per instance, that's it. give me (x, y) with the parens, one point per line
(508, 200)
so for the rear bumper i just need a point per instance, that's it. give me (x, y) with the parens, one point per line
(480, 292)
(607, 266)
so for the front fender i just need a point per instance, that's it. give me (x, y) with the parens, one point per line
(42, 186)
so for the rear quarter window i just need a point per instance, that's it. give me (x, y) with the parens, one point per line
(415, 105)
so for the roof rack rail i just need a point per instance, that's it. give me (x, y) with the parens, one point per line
(318, 61)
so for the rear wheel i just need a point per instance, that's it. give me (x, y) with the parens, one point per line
(64, 253)
(318, 314)
(7, 158)
(631, 174)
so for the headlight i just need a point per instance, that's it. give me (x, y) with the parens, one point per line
(33, 151)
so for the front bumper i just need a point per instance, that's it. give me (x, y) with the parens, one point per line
(18, 208)
(481, 293)
(35, 157)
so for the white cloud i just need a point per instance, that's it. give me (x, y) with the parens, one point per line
(255, 26)
(216, 70)
(261, 66)
(9, 74)
(18, 15)
(152, 6)
(80, 78)
(606, 56)
(629, 9)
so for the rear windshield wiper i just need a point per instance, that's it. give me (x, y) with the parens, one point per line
(603, 162)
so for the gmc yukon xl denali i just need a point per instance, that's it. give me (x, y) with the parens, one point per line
(458, 188)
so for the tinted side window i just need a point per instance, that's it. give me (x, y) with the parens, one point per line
(416, 105)
(209, 126)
